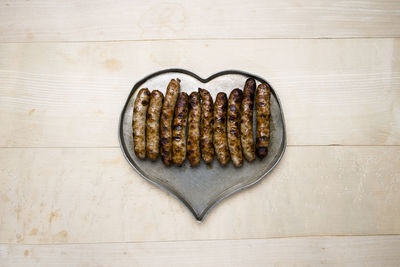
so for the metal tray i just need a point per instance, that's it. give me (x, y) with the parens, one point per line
(202, 187)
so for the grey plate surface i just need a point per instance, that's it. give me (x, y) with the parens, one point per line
(202, 187)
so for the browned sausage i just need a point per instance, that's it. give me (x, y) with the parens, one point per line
(263, 113)
(233, 125)
(179, 129)
(220, 138)
(246, 122)
(139, 122)
(167, 114)
(193, 140)
(206, 128)
(153, 124)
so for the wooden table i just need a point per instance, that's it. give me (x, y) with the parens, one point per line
(69, 198)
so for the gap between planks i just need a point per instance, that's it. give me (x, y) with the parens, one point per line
(197, 240)
(199, 39)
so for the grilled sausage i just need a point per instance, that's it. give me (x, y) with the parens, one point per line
(220, 139)
(263, 113)
(193, 139)
(233, 125)
(246, 122)
(206, 128)
(179, 129)
(139, 122)
(153, 124)
(167, 114)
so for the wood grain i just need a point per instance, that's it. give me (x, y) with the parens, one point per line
(311, 251)
(343, 92)
(37, 21)
(66, 68)
(81, 195)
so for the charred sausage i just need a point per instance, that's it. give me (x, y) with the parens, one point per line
(206, 128)
(246, 122)
(179, 129)
(153, 124)
(233, 126)
(167, 114)
(139, 122)
(193, 139)
(263, 114)
(220, 138)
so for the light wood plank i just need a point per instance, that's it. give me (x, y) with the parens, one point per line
(36, 20)
(80, 195)
(311, 251)
(333, 91)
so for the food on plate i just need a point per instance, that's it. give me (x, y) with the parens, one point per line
(179, 129)
(180, 125)
(220, 137)
(206, 127)
(233, 127)
(139, 122)
(263, 94)
(193, 139)
(167, 114)
(153, 124)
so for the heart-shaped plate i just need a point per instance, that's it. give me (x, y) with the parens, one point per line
(202, 187)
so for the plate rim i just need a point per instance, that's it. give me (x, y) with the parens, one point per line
(227, 192)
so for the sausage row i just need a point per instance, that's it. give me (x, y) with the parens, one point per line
(180, 125)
